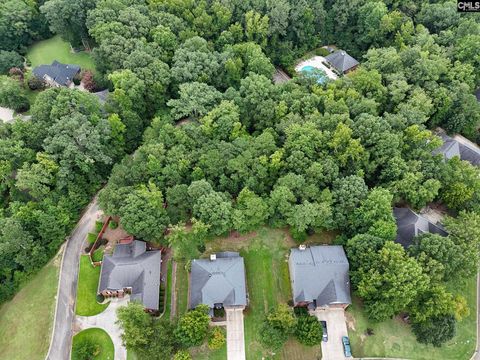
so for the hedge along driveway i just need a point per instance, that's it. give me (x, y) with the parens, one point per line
(88, 278)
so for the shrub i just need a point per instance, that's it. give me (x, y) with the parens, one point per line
(435, 331)
(182, 355)
(192, 329)
(322, 52)
(35, 83)
(89, 81)
(272, 337)
(8, 60)
(278, 325)
(217, 338)
(100, 298)
(219, 313)
(86, 350)
(12, 95)
(308, 330)
(98, 226)
(113, 225)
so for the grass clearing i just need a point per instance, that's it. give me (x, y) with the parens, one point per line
(87, 304)
(28, 318)
(394, 338)
(55, 48)
(100, 338)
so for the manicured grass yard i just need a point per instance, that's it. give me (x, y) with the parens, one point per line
(87, 304)
(393, 338)
(181, 289)
(44, 52)
(100, 338)
(265, 254)
(168, 292)
(27, 320)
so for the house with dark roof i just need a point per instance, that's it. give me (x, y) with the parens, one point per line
(410, 224)
(132, 270)
(218, 282)
(342, 62)
(460, 147)
(57, 74)
(319, 276)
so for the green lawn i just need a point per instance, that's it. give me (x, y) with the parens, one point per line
(27, 320)
(204, 353)
(44, 52)
(87, 304)
(98, 254)
(100, 338)
(394, 338)
(181, 288)
(168, 292)
(265, 254)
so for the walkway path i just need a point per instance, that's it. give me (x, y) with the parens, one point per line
(235, 334)
(61, 341)
(106, 320)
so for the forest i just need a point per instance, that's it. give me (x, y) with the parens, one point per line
(194, 130)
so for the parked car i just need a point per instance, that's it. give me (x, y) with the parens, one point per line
(324, 330)
(346, 346)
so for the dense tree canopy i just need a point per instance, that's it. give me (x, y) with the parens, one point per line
(197, 130)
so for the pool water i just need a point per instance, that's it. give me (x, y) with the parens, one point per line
(318, 73)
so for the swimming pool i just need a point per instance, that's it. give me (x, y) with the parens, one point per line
(313, 71)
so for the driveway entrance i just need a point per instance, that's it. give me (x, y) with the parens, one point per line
(235, 334)
(336, 328)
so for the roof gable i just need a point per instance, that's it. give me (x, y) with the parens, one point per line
(219, 281)
(411, 224)
(131, 266)
(62, 74)
(341, 61)
(320, 273)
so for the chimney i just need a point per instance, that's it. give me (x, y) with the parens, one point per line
(213, 257)
(302, 247)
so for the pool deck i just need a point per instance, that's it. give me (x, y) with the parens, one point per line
(316, 62)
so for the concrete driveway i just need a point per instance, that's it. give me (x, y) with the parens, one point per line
(106, 320)
(235, 334)
(336, 328)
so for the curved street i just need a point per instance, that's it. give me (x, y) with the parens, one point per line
(61, 340)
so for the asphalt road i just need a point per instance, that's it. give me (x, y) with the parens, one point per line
(61, 341)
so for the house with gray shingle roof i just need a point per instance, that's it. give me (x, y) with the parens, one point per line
(218, 281)
(132, 270)
(57, 74)
(319, 276)
(460, 147)
(341, 61)
(410, 224)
